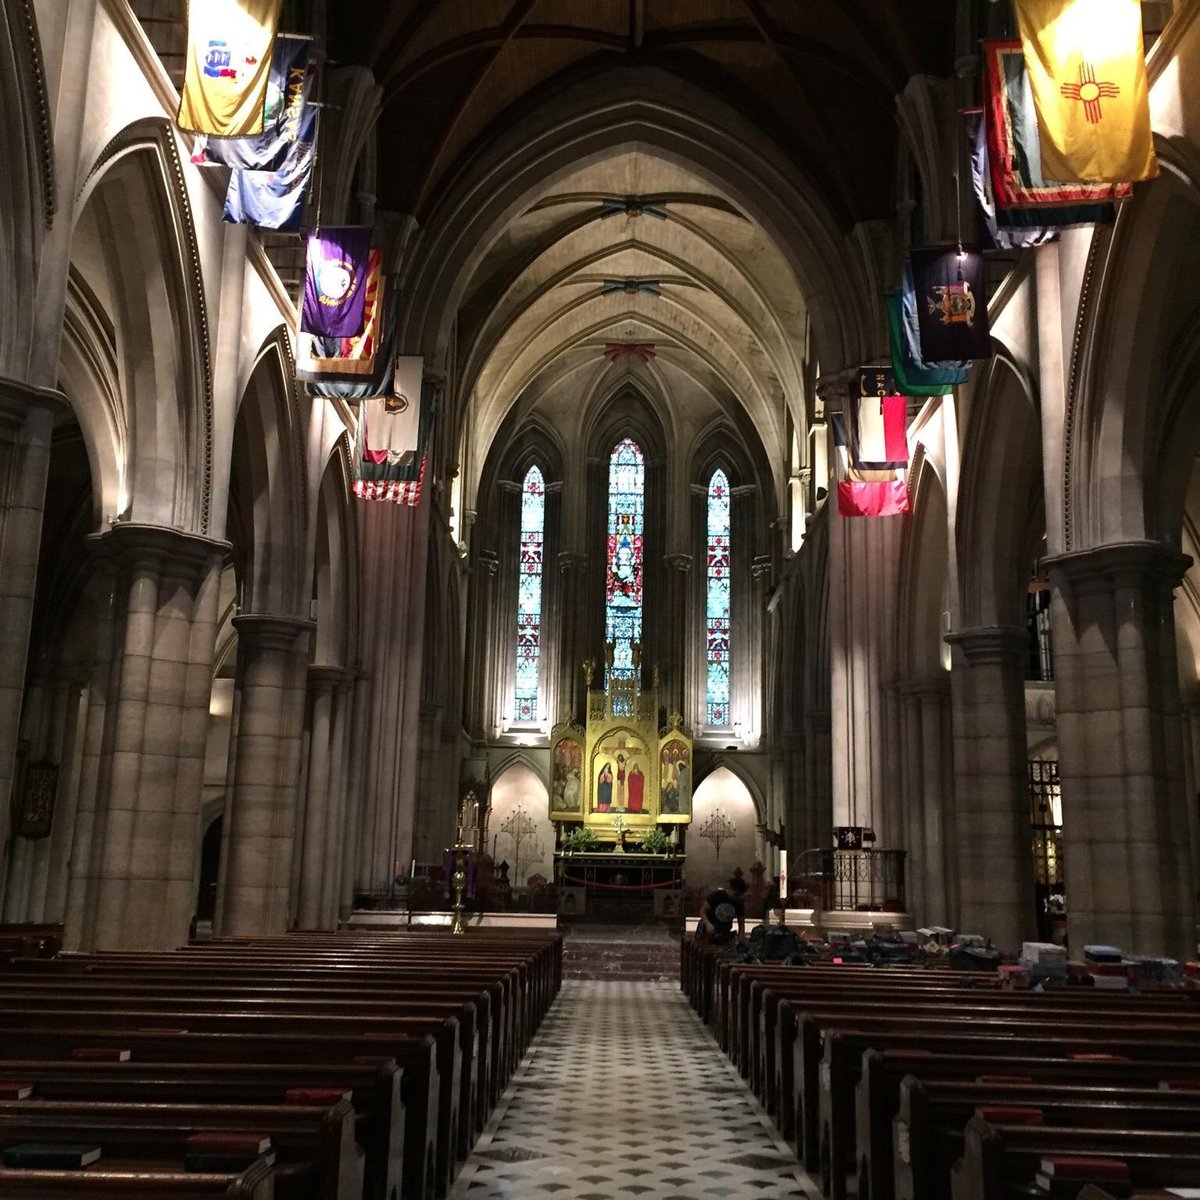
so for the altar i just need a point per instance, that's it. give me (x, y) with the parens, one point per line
(621, 800)
(621, 776)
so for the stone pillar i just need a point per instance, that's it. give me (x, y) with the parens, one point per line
(991, 784)
(862, 623)
(137, 818)
(26, 427)
(316, 854)
(679, 650)
(569, 647)
(51, 728)
(261, 809)
(356, 807)
(339, 831)
(1129, 874)
(752, 662)
(745, 612)
(928, 810)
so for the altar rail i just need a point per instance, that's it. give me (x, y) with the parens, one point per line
(853, 880)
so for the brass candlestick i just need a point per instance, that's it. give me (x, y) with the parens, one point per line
(459, 879)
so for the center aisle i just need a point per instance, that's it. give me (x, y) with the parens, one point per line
(625, 1093)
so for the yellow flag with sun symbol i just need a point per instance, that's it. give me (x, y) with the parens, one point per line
(1087, 69)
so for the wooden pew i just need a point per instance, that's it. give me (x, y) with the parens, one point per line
(877, 1096)
(326, 1012)
(421, 1174)
(316, 1155)
(130, 1180)
(375, 1094)
(222, 994)
(999, 1159)
(930, 1125)
(1061, 1038)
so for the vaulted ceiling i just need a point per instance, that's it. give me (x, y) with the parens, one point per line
(821, 74)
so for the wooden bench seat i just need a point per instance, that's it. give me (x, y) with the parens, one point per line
(316, 1157)
(999, 1161)
(930, 1125)
(375, 1094)
(840, 1065)
(877, 1096)
(118, 1179)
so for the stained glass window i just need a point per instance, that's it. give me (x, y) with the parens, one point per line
(716, 608)
(626, 524)
(529, 596)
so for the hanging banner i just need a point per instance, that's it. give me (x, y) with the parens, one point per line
(952, 317)
(350, 359)
(400, 480)
(275, 199)
(287, 94)
(393, 424)
(227, 66)
(335, 281)
(1087, 71)
(1015, 148)
(1000, 233)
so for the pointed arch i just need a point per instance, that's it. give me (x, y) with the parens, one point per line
(134, 243)
(267, 490)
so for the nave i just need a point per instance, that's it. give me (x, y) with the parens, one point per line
(625, 1093)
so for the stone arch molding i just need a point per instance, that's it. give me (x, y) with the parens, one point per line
(277, 569)
(135, 194)
(27, 186)
(1127, 454)
(683, 124)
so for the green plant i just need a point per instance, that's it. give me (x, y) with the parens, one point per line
(655, 841)
(580, 838)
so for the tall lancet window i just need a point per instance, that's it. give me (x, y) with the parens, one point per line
(716, 608)
(529, 596)
(626, 527)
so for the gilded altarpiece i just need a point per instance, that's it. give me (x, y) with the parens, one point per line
(620, 772)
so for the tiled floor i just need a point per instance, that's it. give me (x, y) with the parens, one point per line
(624, 1093)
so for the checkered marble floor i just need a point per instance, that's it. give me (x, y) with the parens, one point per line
(625, 1093)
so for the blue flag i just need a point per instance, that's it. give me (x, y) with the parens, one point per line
(275, 199)
(287, 95)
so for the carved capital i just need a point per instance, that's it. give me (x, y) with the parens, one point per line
(1117, 565)
(174, 551)
(18, 400)
(678, 562)
(488, 562)
(990, 643)
(271, 631)
(571, 560)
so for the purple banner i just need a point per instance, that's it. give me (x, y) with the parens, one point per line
(335, 283)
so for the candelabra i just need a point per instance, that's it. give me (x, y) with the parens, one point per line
(718, 828)
(520, 828)
(619, 826)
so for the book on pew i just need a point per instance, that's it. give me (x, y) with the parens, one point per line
(67, 1156)
(224, 1164)
(1062, 1175)
(229, 1141)
(225, 1151)
(15, 1091)
(324, 1096)
(99, 1054)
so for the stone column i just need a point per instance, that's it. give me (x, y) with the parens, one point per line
(358, 812)
(679, 650)
(928, 812)
(862, 622)
(50, 726)
(1129, 874)
(339, 824)
(261, 809)
(316, 846)
(26, 427)
(569, 648)
(137, 819)
(991, 784)
(745, 613)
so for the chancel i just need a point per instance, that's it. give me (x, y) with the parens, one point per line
(599, 597)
